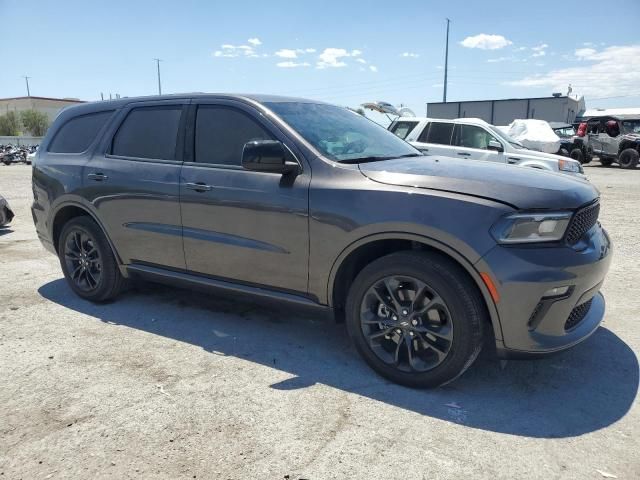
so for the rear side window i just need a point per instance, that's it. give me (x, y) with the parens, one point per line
(221, 134)
(402, 129)
(76, 135)
(149, 132)
(437, 132)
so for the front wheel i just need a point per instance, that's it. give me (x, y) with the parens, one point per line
(628, 158)
(578, 155)
(416, 318)
(87, 261)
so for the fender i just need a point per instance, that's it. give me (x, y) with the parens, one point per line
(87, 207)
(435, 244)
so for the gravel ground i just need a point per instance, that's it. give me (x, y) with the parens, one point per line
(167, 383)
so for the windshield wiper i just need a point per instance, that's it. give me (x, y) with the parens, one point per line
(376, 158)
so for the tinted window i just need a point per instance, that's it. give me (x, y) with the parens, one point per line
(437, 132)
(76, 135)
(402, 129)
(221, 134)
(470, 136)
(149, 132)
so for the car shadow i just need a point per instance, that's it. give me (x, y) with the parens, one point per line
(582, 390)
(5, 230)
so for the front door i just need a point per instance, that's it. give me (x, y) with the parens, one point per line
(472, 142)
(133, 183)
(238, 224)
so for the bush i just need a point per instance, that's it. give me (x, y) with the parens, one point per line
(35, 122)
(9, 124)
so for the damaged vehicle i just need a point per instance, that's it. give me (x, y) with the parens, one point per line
(614, 139)
(299, 201)
(475, 139)
(6, 214)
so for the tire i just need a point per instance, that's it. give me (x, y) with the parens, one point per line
(459, 312)
(577, 154)
(83, 243)
(628, 158)
(606, 162)
(3, 217)
(564, 152)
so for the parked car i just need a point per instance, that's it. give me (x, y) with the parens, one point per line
(475, 139)
(614, 139)
(6, 214)
(313, 204)
(13, 154)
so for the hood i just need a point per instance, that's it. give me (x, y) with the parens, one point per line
(520, 187)
(536, 154)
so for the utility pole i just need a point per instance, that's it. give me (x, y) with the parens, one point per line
(26, 79)
(446, 63)
(158, 60)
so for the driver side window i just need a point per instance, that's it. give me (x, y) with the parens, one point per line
(471, 136)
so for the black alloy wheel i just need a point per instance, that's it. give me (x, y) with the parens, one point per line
(406, 323)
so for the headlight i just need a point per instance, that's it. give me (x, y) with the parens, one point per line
(531, 227)
(570, 166)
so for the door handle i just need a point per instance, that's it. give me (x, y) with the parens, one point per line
(198, 187)
(464, 154)
(513, 160)
(98, 177)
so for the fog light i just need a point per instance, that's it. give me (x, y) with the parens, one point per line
(556, 292)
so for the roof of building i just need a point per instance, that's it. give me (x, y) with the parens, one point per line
(571, 97)
(70, 100)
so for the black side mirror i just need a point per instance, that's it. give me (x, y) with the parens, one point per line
(268, 156)
(495, 145)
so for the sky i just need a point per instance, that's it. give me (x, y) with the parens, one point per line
(344, 52)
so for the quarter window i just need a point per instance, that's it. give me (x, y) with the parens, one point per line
(470, 136)
(221, 134)
(149, 132)
(437, 132)
(77, 134)
(402, 129)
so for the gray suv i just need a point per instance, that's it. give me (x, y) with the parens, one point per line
(312, 204)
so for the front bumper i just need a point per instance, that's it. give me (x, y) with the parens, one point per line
(531, 323)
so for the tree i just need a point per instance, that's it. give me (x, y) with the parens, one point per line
(35, 122)
(9, 124)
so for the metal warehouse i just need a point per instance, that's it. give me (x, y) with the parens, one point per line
(557, 108)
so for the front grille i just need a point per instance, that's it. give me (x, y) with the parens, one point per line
(577, 314)
(583, 220)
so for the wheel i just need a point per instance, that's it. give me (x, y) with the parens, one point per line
(564, 152)
(7, 162)
(3, 216)
(416, 318)
(577, 154)
(87, 261)
(606, 162)
(628, 158)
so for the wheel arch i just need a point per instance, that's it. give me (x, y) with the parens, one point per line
(363, 251)
(68, 210)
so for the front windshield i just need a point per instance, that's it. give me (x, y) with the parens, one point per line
(340, 134)
(631, 126)
(506, 138)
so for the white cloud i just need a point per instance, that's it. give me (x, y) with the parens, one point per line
(361, 60)
(356, 53)
(286, 53)
(540, 50)
(290, 64)
(410, 55)
(613, 71)
(310, 50)
(254, 41)
(585, 53)
(232, 51)
(484, 41)
(520, 49)
(332, 58)
(373, 68)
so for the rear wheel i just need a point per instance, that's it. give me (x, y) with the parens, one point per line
(87, 261)
(416, 318)
(628, 158)
(577, 154)
(606, 162)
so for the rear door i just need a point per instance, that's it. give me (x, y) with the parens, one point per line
(242, 225)
(134, 183)
(472, 142)
(435, 139)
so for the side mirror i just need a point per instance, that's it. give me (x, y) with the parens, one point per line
(495, 145)
(268, 156)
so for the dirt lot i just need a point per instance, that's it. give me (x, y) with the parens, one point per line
(166, 383)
